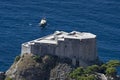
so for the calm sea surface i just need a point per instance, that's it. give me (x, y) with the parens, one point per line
(19, 23)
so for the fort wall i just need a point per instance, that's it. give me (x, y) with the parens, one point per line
(78, 48)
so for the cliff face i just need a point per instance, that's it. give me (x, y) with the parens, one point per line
(47, 67)
(30, 67)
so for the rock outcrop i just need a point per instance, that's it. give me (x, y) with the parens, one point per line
(30, 67)
(47, 67)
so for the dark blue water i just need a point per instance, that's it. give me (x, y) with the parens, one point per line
(19, 23)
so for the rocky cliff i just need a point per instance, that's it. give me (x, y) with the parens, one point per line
(33, 67)
(49, 67)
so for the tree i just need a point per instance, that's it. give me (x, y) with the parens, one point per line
(92, 69)
(111, 71)
(113, 63)
(103, 68)
(8, 78)
(90, 77)
(89, 73)
(37, 58)
(77, 72)
(17, 58)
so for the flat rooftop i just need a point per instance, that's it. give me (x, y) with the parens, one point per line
(60, 36)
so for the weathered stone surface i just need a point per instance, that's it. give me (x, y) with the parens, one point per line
(60, 72)
(75, 45)
(27, 68)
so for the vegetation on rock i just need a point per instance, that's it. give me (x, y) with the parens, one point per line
(37, 58)
(8, 78)
(89, 73)
(83, 74)
(34, 67)
(91, 69)
(109, 68)
(112, 71)
(17, 58)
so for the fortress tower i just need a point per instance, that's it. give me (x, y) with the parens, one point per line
(80, 47)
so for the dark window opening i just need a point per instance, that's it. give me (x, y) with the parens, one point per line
(77, 63)
(65, 46)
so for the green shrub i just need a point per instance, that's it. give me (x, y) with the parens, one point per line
(111, 71)
(109, 64)
(88, 73)
(90, 77)
(23, 79)
(113, 63)
(37, 58)
(102, 68)
(8, 78)
(17, 58)
(77, 72)
(91, 69)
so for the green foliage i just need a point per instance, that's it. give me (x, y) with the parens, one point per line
(111, 71)
(109, 68)
(77, 72)
(110, 64)
(88, 73)
(90, 77)
(37, 58)
(17, 58)
(23, 79)
(102, 68)
(80, 74)
(8, 78)
(113, 63)
(91, 69)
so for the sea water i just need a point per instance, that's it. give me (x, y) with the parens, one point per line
(19, 23)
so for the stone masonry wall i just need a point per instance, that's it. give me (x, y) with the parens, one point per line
(81, 50)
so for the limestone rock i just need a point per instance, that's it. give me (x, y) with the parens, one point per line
(29, 68)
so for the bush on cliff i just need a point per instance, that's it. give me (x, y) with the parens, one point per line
(89, 77)
(37, 58)
(111, 71)
(77, 72)
(89, 73)
(109, 68)
(113, 63)
(84, 74)
(30, 67)
(17, 58)
(8, 78)
(91, 69)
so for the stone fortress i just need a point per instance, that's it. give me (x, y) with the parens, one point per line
(79, 47)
